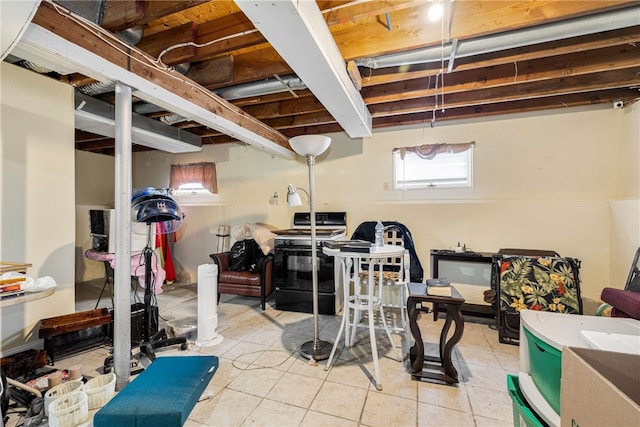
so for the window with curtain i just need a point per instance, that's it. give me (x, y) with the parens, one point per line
(433, 166)
(194, 178)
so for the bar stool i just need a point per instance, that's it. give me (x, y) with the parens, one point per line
(365, 296)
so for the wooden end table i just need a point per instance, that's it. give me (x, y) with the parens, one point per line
(434, 367)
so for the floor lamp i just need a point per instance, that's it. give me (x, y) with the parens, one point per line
(311, 146)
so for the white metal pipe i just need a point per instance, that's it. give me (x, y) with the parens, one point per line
(311, 161)
(122, 274)
(263, 87)
(608, 21)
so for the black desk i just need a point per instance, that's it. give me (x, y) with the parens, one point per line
(434, 367)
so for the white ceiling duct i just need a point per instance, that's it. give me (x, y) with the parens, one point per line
(98, 117)
(607, 21)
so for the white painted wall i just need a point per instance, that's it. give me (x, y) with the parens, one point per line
(94, 190)
(625, 203)
(37, 219)
(564, 180)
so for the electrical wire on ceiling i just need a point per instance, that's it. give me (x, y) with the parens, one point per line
(439, 76)
(198, 45)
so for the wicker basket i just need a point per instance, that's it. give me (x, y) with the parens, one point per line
(100, 389)
(60, 390)
(69, 410)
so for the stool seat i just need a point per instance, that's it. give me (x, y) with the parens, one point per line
(163, 395)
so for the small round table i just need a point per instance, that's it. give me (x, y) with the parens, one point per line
(355, 299)
(421, 365)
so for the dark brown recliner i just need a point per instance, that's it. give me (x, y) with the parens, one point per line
(246, 283)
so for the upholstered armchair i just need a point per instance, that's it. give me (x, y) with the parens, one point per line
(257, 283)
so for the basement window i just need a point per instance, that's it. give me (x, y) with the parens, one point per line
(194, 183)
(433, 166)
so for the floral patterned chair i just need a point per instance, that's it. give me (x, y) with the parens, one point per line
(536, 283)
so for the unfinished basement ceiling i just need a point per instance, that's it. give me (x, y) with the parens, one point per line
(483, 58)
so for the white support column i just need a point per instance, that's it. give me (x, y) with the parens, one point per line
(122, 274)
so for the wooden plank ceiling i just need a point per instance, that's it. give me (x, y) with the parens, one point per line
(227, 51)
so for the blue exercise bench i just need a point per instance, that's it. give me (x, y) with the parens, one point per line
(163, 395)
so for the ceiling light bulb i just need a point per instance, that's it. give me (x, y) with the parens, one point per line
(435, 12)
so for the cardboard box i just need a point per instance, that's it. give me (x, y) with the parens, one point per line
(599, 388)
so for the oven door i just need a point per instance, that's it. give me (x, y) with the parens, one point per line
(294, 283)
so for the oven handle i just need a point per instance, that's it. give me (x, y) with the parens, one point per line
(298, 250)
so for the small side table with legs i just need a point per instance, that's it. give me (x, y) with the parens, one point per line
(434, 367)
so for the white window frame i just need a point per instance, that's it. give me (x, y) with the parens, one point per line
(194, 194)
(416, 180)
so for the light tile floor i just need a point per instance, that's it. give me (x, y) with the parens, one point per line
(262, 380)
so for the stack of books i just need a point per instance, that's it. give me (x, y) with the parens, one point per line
(11, 288)
(439, 287)
(360, 246)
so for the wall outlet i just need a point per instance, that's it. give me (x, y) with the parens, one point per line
(385, 186)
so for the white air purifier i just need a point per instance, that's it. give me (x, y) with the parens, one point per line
(208, 306)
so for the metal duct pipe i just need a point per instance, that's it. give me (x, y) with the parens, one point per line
(34, 67)
(97, 88)
(265, 87)
(245, 90)
(173, 119)
(91, 10)
(607, 21)
(131, 35)
(183, 68)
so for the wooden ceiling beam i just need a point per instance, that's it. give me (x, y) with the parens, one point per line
(626, 36)
(157, 43)
(411, 28)
(479, 111)
(285, 108)
(619, 79)
(602, 60)
(121, 14)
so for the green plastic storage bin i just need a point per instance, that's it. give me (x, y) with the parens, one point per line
(545, 362)
(522, 414)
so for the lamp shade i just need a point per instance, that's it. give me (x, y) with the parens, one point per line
(293, 198)
(310, 144)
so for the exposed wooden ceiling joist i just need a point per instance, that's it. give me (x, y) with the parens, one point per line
(598, 67)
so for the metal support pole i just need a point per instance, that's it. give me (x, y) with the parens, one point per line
(122, 273)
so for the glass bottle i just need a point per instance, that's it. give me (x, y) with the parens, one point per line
(379, 234)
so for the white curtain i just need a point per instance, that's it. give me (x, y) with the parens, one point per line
(429, 151)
